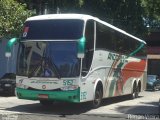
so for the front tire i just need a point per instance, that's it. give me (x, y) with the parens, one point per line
(135, 92)
(97, 98)
(154, 88)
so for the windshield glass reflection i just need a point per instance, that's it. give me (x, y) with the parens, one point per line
(48, 59)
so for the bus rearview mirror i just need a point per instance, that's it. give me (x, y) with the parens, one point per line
(81, 47)
(9, 45)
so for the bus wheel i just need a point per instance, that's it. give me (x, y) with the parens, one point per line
(154, 88)
(134, 92)
(97, 98)
(46, 102)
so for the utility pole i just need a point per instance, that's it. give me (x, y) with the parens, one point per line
(57, 4)
(46, 8)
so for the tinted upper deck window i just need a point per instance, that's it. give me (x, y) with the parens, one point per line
(53, 29)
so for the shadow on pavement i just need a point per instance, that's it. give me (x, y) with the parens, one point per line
(62, 108)
(150, 108)
(6, 95)
(56, 109)
(118, 99)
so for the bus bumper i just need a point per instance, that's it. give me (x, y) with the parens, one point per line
(68, 96)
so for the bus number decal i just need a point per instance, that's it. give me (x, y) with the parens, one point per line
(67, 82)
(83, 95)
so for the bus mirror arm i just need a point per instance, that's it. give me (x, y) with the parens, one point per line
(9, 46)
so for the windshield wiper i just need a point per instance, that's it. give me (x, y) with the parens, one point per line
(55, 69)
(41, 66)
(34, 70)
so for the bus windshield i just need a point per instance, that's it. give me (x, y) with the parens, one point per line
(48, 59)
(58, 29)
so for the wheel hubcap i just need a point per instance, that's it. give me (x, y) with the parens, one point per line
(97, 99)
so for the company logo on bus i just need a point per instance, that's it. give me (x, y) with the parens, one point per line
(122, 58)
(25, 31)
(43, 86)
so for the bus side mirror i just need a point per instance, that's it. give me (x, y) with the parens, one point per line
(81, 47)
(9, 45)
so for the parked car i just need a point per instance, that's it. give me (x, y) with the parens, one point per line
(153, 82)
(8, 83)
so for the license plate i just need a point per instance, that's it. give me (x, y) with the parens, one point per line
(43, 96)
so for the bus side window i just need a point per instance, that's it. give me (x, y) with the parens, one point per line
(122, 44)
(89, 35)
(105, 39)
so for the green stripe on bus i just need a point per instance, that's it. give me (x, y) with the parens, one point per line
(68, 96)
(114, 81)
(119, 66)
(137, 50)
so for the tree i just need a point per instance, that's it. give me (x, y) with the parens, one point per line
(125, 14)
(151, 12)
(53, 5)
(13, 15)
(129, 15)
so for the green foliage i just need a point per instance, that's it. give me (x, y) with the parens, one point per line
(125, 14)
(152, 8)
(12, 17)
(130, 15)
(151, 12)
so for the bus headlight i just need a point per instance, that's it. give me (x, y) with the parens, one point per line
(72, 87)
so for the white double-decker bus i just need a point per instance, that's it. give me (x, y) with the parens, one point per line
(78, 58)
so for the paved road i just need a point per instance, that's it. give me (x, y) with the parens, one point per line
(144, 107)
